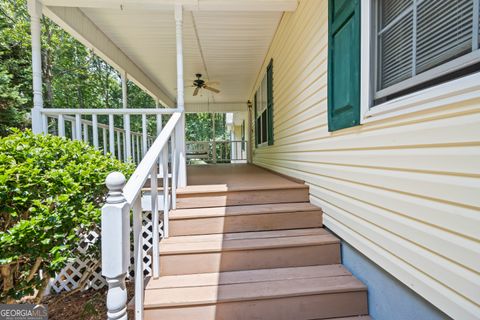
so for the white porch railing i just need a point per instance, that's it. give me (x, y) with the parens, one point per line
(224, 151)
(123, 198)
(122, 143)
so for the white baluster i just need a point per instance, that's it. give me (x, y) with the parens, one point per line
(95, 130)
(116, 246)
(165, 192)
(128, 136)
(104, 133)
(174, 171)
(144, 135)
(139, 141)
(85, 133)
(124, 136)
(72, 124)
(78, 127)
(111, 134)
(61, 125)
(134, 157)
(119, 149)
(138, 251)
(155, 220)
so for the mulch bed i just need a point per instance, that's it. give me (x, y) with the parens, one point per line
(81, 305)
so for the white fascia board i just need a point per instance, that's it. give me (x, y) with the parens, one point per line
(76, 23)
(215, 107)
(189, 5)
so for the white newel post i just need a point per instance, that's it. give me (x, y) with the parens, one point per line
(35, 11)
(116, 246)
(180, 129)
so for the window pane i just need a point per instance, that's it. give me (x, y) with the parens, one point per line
(444, 31)
(395, 51)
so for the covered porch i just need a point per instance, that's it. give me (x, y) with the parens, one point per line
(190, 56)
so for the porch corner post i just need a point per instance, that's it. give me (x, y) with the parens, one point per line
(116, 246)
(35, 11)
(180, 129)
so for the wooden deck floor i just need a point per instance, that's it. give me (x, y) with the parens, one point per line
(235, 177)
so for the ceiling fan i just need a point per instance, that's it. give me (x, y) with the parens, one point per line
(202, 84)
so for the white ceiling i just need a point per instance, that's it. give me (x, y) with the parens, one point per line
(233, 44)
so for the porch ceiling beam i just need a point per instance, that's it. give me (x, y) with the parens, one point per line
(188, 5)
(75, 22)
(216, 107)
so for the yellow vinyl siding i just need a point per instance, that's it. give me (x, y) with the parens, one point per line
(405, 191)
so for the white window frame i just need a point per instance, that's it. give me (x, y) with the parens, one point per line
(454, 91)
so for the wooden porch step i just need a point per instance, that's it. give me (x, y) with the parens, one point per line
(223, 196)
(247, 251)
(315, 292)
(263, 217)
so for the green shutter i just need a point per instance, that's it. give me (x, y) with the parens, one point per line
(270, 103)
(343, 64)
(257, 127)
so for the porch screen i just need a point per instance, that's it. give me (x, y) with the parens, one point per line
(264, 110)
(420, 41)
(343, 64)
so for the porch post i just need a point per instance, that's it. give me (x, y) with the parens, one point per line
(126, 119)
(35, 11)
(180, 129)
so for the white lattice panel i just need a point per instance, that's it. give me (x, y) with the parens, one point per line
(71, 276)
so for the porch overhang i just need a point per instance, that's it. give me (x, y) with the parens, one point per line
(224, 40)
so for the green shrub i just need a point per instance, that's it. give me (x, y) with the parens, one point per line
(51, 192)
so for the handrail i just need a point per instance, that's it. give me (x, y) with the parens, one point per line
(56, 111)
(121, 200)
(139, 177)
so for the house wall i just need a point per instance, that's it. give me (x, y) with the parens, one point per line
(404, 191)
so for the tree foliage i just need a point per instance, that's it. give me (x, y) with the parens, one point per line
(73, 76)
(51, 191)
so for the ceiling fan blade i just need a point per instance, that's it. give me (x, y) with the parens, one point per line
(211, 83)
(195, 92)
(211, 89)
